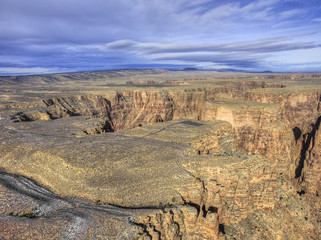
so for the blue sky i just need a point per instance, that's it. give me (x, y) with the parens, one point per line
(38, 36)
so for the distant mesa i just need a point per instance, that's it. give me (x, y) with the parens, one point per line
(191, 69)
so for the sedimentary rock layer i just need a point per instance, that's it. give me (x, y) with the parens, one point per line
(172, 157)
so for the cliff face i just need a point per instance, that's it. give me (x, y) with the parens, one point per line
(307, 170)
(236, 160)
(141, 105)
(261, 120)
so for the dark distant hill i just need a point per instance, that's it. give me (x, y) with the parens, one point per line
(190, 69)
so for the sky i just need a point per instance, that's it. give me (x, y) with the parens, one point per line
(49, 36)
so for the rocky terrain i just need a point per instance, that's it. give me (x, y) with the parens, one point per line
(155, 154)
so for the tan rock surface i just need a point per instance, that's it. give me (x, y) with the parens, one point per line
(160, 155)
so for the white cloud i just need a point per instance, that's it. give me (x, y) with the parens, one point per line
(257, 46)
(34, 70)
(290, 13)
(317, 19)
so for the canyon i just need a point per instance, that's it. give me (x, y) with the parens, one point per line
(156, 154)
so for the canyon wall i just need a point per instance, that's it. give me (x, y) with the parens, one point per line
(255, 164)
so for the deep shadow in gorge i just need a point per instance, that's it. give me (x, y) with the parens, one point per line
(308, 140)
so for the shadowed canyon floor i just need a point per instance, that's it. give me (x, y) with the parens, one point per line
(155, 154)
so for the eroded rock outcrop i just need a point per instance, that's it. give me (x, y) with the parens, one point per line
(212, 160)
